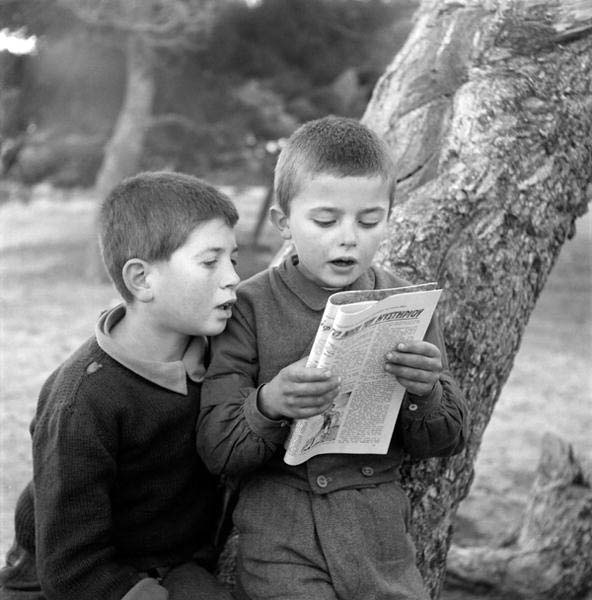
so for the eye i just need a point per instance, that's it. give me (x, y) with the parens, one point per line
(210, 264)
(324, 223)
(369, 224)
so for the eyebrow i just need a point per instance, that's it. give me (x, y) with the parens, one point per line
(335, 209)
(217, 250)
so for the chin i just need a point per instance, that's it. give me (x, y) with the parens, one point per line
(339, 282)
(216, 329)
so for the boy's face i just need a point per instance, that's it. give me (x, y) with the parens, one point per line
(194, 290)
(336, 225)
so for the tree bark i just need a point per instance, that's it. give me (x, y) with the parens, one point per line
(488, 111)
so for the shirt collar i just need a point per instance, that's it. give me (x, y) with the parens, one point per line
(309, 292)
(170, 375)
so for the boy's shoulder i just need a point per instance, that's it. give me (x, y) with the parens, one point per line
(82, 378)
(77, 362)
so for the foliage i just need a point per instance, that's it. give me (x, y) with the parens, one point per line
(39, 17)
(289, 52)
(303, 43)
(168, 23)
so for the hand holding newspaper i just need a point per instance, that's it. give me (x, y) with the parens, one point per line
(356, 331)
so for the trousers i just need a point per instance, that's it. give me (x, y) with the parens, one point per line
(188, 581)
(350, 544)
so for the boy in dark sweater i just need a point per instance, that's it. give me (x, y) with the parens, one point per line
(120, 505)
(336, 526)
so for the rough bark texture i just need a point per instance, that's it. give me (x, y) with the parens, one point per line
(550, 555)
(488, 111)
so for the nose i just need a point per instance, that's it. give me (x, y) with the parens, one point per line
(348, 234)
(231, 278)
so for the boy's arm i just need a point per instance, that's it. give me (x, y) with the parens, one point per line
(233, 435)
(435, 425)
(74, 461)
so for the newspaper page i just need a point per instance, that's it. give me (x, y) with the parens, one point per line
(357, 329)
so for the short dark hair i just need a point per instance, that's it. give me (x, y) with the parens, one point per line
(335, 146)
(150, 215)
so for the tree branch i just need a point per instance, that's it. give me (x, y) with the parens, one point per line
(167, 22)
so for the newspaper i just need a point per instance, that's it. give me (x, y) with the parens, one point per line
(356, 331)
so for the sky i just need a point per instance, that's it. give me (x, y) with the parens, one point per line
(17, 42)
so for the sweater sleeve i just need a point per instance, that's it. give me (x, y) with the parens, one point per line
(233, 436)
(74, 462)
(436, 425)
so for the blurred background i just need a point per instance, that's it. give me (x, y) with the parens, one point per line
(225, 84)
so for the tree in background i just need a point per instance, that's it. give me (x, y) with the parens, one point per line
(147, 25)
(488, 111)
(303, 46)
(218, 94)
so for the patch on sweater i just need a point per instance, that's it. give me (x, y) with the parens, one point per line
(93, 367)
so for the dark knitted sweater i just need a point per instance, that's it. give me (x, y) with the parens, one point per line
(118, 486)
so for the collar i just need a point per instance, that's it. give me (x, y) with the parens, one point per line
(310, 293)
(170, 375)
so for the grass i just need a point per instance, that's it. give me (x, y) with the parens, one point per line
(47, 308)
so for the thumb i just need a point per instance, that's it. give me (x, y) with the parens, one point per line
(147, 589)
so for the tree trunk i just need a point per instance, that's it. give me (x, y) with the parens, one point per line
(124, 149)
(488, 111)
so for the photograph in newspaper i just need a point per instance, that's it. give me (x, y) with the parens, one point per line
(357, 329)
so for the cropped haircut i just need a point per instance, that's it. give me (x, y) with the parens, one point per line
(336, 146)
(150, 215)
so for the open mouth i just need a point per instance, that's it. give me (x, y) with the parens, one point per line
(226, 306)
(343, 262)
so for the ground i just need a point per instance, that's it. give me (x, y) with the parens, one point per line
(47, 307)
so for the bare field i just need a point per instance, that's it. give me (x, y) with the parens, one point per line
(47, 308)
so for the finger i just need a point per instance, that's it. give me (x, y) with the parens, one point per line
(411, 374)
(316, 388)
(413, 387)
(300, 374)
(418, 347)
(302, 408)
(324, 400)
(416, 361)
(313, 389)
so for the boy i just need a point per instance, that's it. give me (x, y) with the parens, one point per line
(121, 506)
(337, 525)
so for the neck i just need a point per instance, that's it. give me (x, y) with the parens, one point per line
(141, 338)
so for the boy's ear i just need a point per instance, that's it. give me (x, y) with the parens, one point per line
(280, 220)
(135, 275)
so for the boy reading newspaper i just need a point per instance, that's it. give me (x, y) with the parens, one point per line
(337, 525)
